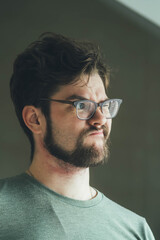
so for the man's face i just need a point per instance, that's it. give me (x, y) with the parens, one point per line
(82, 143)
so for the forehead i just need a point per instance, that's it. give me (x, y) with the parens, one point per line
(90, 87)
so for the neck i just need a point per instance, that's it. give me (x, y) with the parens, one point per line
(62, 177)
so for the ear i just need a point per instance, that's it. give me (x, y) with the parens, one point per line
(32, 118)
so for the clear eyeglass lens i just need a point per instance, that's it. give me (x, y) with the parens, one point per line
(110, 108)
(85, 109)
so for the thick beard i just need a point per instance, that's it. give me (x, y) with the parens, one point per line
(82, 156)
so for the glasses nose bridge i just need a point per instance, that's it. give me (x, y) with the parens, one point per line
(98, 105)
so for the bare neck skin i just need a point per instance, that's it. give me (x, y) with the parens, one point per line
(60, 177)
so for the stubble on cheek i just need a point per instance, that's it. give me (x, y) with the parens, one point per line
(72, 149)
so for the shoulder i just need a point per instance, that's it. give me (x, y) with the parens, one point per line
(120, 211)
(13, 187)
(10, 183)
(127, 219)
(20, 189)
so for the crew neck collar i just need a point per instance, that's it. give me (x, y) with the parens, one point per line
(79, 203)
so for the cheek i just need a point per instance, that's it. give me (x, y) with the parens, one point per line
(74, 127)
(109, 124)
(43, 127)
(66, 126)
(64, 117)
(68, 130)
(68, 135)
(67, 120)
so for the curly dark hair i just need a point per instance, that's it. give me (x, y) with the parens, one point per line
(51, 61)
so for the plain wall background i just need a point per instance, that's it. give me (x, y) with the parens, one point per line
(132, 48)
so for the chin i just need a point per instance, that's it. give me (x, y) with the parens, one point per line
(98, 146)
(96, 142)
(97, 162)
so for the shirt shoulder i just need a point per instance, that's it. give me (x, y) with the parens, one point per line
(119, 209)
(128, 219)
(8, 185)
(16, 190)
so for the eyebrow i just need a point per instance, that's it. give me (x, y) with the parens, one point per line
(74, 96)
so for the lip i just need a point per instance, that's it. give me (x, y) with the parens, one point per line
(96, 133)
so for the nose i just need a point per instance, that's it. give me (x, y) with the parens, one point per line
(99, 119)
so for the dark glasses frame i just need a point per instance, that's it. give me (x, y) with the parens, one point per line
(75, 103)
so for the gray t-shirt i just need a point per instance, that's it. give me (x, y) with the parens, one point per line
(31, 211)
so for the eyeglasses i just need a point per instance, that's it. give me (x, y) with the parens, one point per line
(85, 109)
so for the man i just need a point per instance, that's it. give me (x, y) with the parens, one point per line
(58, 88)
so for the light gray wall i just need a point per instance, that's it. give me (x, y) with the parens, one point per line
(131, 177)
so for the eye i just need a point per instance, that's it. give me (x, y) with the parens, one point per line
(81, 106)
